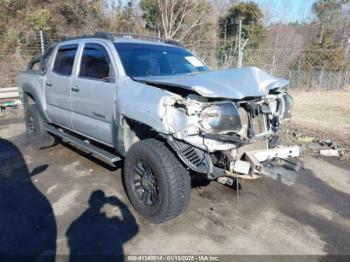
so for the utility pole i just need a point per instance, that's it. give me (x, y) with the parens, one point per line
(240, 52)
(239, 64)
(240, 45)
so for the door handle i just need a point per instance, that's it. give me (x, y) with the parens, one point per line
(75, 89)
(48, 84)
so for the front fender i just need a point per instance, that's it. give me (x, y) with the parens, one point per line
(144, 104)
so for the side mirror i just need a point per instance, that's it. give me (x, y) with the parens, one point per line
(109, 79)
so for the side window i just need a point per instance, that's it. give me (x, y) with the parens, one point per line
(64, 60)
(95, 62)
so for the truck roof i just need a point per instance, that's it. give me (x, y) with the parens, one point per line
(128, 38)
(140, 41)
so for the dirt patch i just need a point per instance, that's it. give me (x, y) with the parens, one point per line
(312, 140)
(320, 116)
(327, 112)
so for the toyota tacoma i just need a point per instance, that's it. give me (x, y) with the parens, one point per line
(155, 105)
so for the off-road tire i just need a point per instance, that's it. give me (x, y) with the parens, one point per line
(173, 180)
(38, 136)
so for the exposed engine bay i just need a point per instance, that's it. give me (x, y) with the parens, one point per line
(225, 124)
(222, 128)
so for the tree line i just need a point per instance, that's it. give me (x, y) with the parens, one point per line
(323, 41)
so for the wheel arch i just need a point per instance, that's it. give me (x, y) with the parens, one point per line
(32, 96)
(191, 157)
(134, 131)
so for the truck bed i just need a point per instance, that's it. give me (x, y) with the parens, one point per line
(33, 78)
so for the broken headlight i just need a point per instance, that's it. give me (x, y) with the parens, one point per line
(285, 108)
(221, 118)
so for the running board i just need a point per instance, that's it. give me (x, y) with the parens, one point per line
(105, 155)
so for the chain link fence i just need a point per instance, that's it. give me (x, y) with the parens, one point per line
(304, 71)
(301, 69)
(16, 54)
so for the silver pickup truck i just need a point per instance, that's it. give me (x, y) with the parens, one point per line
(155, 105)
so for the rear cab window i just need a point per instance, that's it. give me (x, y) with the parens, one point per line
(64, 60)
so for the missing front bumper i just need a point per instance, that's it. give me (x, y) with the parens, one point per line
(285, 171)
(278, 163)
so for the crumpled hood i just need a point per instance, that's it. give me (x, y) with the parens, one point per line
(228, 83)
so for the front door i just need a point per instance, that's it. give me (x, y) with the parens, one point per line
(93, 94)
(58, 85)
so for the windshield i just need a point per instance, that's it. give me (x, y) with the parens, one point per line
(156, 60)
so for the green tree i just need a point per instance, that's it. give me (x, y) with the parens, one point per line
(151, 15)
(252, 28)
(39, 19)
(329, 11)
(325, 53)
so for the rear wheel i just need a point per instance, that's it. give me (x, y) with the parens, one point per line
(157, 184)
(36, 132)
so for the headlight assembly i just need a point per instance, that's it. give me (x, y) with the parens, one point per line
(285, 109)
(221, 118)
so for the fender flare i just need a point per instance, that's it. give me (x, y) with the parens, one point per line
(31, 91)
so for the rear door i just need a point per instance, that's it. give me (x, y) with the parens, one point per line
(58, 84)
(93, 93)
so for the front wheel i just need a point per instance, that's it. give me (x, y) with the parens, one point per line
(157, 184)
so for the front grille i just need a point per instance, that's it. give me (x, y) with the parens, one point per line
(257, 121)
(244, 117)
(258, 124)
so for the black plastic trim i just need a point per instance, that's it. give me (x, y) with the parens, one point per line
(194, 158)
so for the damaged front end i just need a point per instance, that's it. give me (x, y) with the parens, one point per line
(233, 138)
(232, 135)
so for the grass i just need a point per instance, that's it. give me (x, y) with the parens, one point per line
(327, 112)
